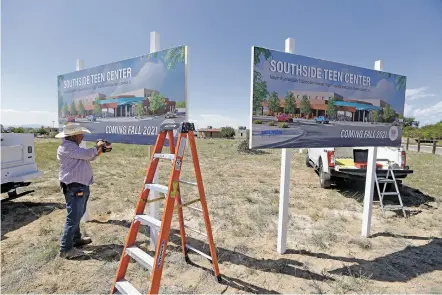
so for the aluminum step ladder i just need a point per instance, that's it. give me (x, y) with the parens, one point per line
(385, 181)
(172, 196)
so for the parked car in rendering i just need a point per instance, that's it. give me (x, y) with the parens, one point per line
(284, 118)
(322, 120)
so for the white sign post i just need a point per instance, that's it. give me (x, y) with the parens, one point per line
(284, 190)
(370, 178)
(154, 208)
(79, 67)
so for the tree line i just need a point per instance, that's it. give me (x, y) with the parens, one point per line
(430, 132)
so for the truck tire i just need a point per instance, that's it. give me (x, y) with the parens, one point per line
(324, 178)
(307, 161)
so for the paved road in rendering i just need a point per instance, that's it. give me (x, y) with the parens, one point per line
(319, 135)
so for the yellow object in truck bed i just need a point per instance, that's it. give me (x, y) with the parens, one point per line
(345, 163)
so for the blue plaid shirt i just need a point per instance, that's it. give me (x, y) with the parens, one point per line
(75, 163)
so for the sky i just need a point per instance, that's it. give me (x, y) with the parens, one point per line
(43, 39)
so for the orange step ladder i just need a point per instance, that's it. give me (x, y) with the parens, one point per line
(172, 197)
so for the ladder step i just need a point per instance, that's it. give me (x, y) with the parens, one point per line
(195, 230)
(157, 187)
(188, 182)
(124, 287)
(148, 220)
(140, 256)
(164, 156)
(195, 208)
(385, 180)
(390, 194)
(198, 251)
(393, 207)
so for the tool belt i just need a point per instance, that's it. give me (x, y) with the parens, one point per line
(65, 187)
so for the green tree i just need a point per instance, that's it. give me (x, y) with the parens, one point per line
(388, 114)
(290, 103)
(180, 104)
(65, 109)
(41, 130)
(139, 109)
(332, 109)
(60, 93)
(305, 105)
(259, 85)
(375, 115)
(97, 108)
(18, 130)
(274, 102)
(170, 57)
(227, 132)
(157, 102)
(73, 109)
(259, 90)
(81, 110)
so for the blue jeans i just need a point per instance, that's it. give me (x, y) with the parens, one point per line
(76, 196)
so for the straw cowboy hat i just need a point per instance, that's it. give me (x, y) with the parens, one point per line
(72, 129)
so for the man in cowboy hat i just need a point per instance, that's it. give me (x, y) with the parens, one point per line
(75, 178)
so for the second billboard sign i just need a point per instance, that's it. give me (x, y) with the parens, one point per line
(301, 102)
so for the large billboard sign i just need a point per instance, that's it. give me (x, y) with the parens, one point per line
(127, 101)
(302, 102)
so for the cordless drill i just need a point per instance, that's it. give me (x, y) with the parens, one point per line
(107, 147)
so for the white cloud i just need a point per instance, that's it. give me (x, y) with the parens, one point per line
(150, 76)
(217, 121)
(28, 117)
(417, 93)
(425, 115)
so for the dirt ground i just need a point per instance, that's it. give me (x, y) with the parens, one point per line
(325, 251)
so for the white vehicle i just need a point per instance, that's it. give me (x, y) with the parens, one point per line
(18, 161)
(348, 163)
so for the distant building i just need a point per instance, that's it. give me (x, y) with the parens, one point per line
(241, 133)
(209, 132)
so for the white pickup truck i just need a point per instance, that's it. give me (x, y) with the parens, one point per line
(18, 161)
(348, 163)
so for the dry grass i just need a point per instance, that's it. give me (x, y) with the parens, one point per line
(325, 251)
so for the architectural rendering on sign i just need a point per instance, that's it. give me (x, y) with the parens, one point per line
(298, 101)
(127, 101)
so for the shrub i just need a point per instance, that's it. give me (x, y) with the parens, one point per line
(283, 125)
(257, 122)
(227, 132)
(271, 123)
(243, 148)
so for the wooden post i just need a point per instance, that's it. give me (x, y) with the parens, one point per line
(408, 142)
(434, 146)
(418, 144)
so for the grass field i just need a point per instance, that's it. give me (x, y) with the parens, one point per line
(325, 250)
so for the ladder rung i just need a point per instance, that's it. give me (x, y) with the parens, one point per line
(140, 256)
(393, 207)
(187, 204)
(195, 230)
(124, 287)
(148, 220)
(385, 180)
(157, 187)
(195, 208)
(198, 251)
(188, 182)
(164, 156)
(390, 194)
